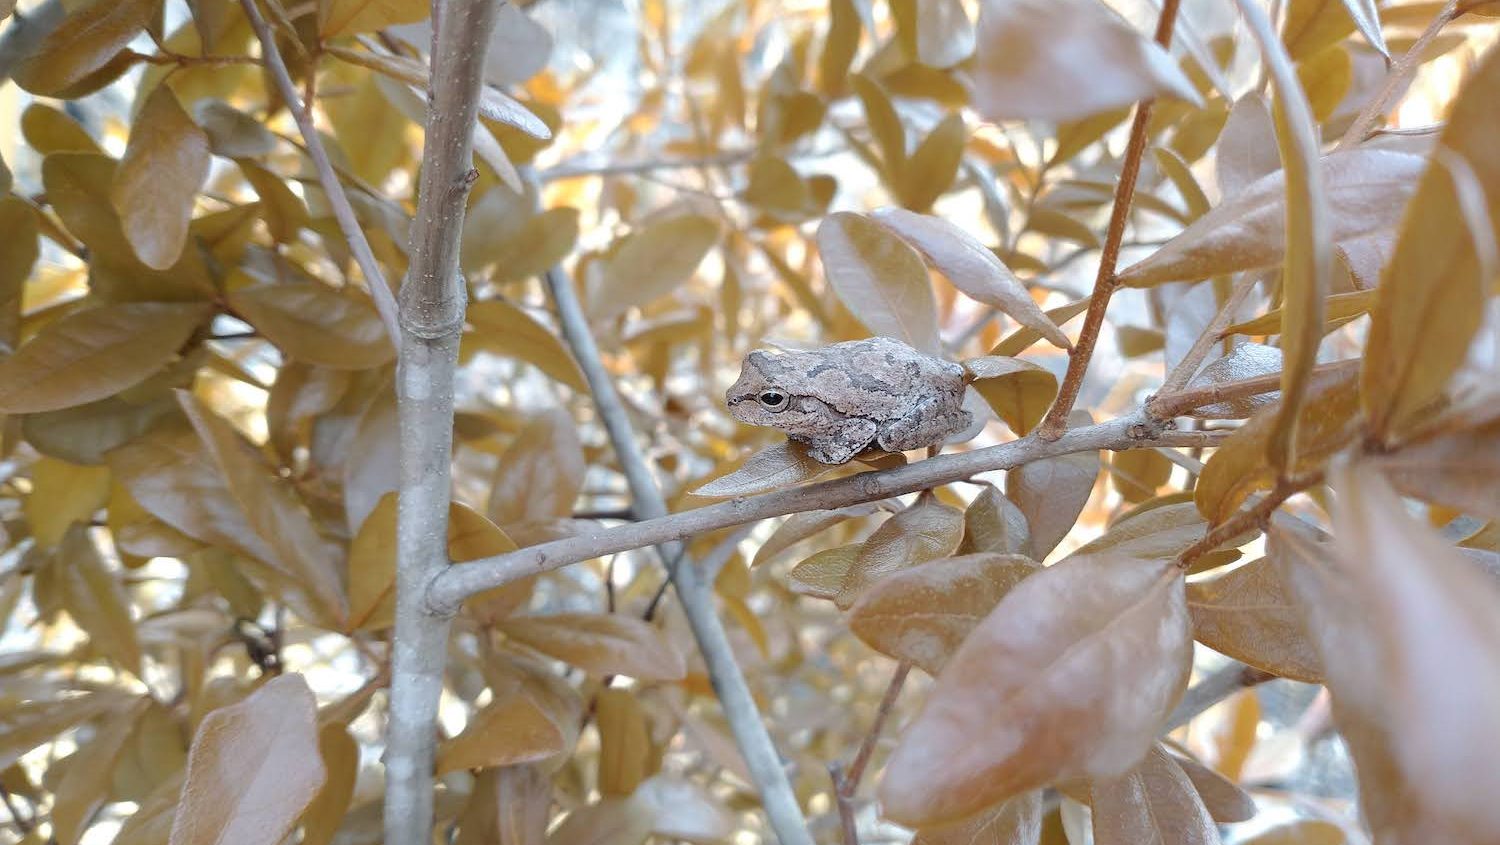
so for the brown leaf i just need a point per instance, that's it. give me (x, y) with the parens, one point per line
(971, 267)
(340, 755)
(922, 615)
(652, 263)
(1019, 391)
(800, 526)
(881, 279)
(1306, 832)
(157, 182)
(1247, 146)
(1161, 529)
(1225, 801)
(1432, 294)
(885, 126)
(18, 226)
(1245, 361)
(1339, 309)
(1460, 470)
(312, 322)
(1093, 61)
(626, 757)
(539, 476)
(1017, 821)
(510, 805)
(930, 171)
(94, 353)
(785, 464)
(1017, 341)
(822, 575)
(1071, 675)
(27, 725)
(85, 784)
(84, 42)
(1249, 614)
(1052, 493)
(1153, 804)
(600, 643)
(347, 17)
(925, 531)
(993, 524)
(250, 770)
(510, 730)
(1366, 190)
(96, 600)
(49, 130)
(231, 133)
(1137, 473)
(610, 821)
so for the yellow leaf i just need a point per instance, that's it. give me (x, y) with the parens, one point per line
(314, 323)
(63, 493)
(510, 730)
(1019, 391)
(926, 531)
(1071, 675)
(252, 769)
(504, 329)
(652, 263)
(157, 182)
(340, 755)
(1137, 473)
(822, 575)
(1326, 76)
(348, 17)
(839, 47)
(885, 125)
(49, 130)
(87, 39)
(94, 353)
(625, 754)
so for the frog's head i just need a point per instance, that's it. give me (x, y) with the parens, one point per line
(761, 394)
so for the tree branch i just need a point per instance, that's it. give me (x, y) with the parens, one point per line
(1214, 689)
(1397, 76)
(1132, 431)
(1168, 405)
(338, 201)
(1188, 366)
(694, 587)
(431, 319)
(1105, 282)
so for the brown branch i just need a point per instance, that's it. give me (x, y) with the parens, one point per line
(338, 201)
(866, 750)
(1106, 282)
(847, 824)
(1397, 76)
(1168, 405)
(1211, 334)
(1253, 517)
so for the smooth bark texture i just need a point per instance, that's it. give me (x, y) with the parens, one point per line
(432, 313)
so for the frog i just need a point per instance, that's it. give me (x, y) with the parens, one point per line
(843, 399)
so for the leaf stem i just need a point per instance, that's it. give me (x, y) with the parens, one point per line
(1252, 517)
(1106, 282)
(338, 201)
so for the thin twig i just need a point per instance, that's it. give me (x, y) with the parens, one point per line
(1214, 689)
(1131, 431)
(1105, 282)
(867, 747)
(1168, 405)
(1252, 517)
(1397, 76)
(1188, 366)
(338, 201)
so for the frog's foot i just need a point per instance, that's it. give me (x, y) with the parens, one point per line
(926, 424)
(840, 446)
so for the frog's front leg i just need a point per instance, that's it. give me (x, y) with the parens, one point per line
(842, 441)
(928, 422)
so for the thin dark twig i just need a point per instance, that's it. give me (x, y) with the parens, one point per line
(867, 747)
(1254, 516)
(847, 824)
(1106, 282)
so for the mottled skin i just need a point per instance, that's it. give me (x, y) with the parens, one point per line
(844, 398)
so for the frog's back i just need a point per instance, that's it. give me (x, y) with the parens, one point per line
(879, 376)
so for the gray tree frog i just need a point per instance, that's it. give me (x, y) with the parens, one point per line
(844, 398)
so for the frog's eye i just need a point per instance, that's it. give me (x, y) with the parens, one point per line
(773, 400)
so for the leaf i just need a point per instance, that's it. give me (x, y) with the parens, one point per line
(1137, 473)
(85, 783)
(929, 172)
(922, 615)
(945, 35)
(785, 464)
(274, 511)
(625, 753)
(82, 43)
(972, 268)
(539, 476)
(1057, 224)
(1093, 61)
(1018, 341)
(609, 821)
(62, 493)
(49, 131)
(839, 47)
(1250, 614)
(250, 772)
(1460, 470)
(504, 329)
(18, 226)
(1326, 77)
(652, 263)
(1161, 532)
(157, 182)
(1339, 309)
(1052, 493)
(880, 279)
(601, 644)
(1019, 391)
(325, 814)
(284, 213)
(1017, 821)
(1244, 361)
(510, 730)
(347, 17)
(94, 353)
(885, 126)
(1238, 467)
(1154, 804)
(1226, 802)
(1306, 832)
(926, 531)
(1366, 190)
(822, 575)
(800, 526)
(231, 133)
(29, 724)
(511, 804)
(993, 524)
(1405, 627)
(1247, 146)
(314, 323)
(96, 601)
(1433, 291)
(1071, 675)
(685, 811)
